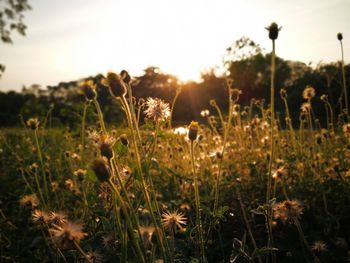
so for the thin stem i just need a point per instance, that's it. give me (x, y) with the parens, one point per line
(198, 211)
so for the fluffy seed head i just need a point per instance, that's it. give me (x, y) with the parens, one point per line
(173, 221)
(157, 109)
(64, 235)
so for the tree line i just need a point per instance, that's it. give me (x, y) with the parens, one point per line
(245, 62)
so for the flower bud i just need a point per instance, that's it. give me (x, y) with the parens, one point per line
(124, 139)
(106, 150)
(273, 31)
(340, 36)
(124, 75)
(115, 84)
(193, 130)
(89, 90)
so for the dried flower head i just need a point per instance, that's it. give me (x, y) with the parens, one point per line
(105, 145)
(157, 109)
(30, 201)
(33, 123)
(319, 246)
(115, 84)
(65, 234)
(40, 217)
(193, 130)
(80, 174)
(146, 234)
(173, 221)
(88, 88)
(309, 93)
(288, 210)
(58, 218)
(101, 169)
(273, 31)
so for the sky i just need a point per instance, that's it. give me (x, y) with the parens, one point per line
(71, 39)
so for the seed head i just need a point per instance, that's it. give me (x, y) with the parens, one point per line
(173, 221)
(30, 201)
(273, 31)
(80, 173)
(193, 130)
(115, 84)
(309, 93)
(124, 139)
(340, 36)
(88, 88)
(288, 210)
(101, 169)
(124, 75)
(157, 109)
(64, 235)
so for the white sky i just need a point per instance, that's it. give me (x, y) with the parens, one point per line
(71, 39)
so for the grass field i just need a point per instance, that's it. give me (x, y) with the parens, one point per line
(237, 188)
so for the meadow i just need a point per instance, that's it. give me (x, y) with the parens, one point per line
(241, 186)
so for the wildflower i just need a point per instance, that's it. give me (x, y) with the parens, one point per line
(288, 210)
(30, 201)
(33, 123)
(319, 246)
(146, 234)
(157, 109)
(273, 31)
(340, 36)
(88, 88)
(101, 169)
(58, 218)
(193, 130)
(64, 235)
(308, 93)
(205, 113)
(40, 217)
(173, 221)
(115, 84)
(80, 173)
